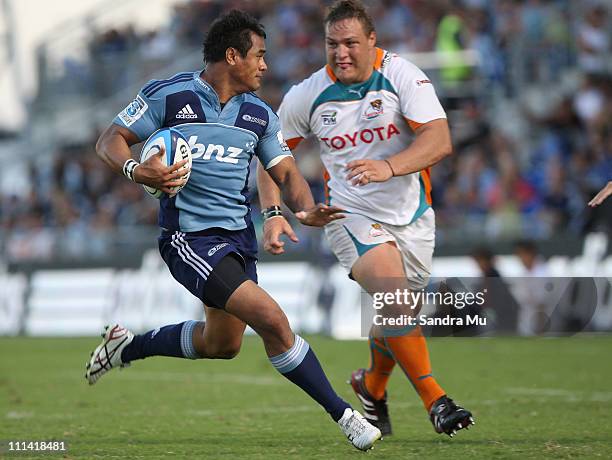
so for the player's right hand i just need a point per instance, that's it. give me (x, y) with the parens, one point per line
(320, 215)
(154, 173)
(602, 195)
(274, 228)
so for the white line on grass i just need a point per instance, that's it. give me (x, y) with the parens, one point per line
(567, 395)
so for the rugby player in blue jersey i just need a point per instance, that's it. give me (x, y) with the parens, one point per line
(208, 240)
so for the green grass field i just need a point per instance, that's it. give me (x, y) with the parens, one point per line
(532, 398)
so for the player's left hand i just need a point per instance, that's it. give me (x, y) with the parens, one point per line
(320, 215)
(362, 172)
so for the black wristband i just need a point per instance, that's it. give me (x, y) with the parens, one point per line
(128, 168)
(272, 211)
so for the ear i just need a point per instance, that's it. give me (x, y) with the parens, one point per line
(230, 55)
(372, 39)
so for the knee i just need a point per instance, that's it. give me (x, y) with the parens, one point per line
(276, 327)
(224, 351)
(276, 323)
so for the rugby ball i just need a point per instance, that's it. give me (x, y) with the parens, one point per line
(177, 149)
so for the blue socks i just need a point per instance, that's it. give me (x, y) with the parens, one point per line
(300, 365)
(174, 340)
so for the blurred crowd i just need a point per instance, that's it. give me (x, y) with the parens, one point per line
(76, 207)
(531, 119)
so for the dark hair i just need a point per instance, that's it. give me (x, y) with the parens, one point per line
(348, 9)
(232, 30)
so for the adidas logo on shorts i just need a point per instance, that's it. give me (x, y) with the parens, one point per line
(186, 113)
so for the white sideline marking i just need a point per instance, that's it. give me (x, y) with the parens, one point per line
(14, 415)
(567, 395)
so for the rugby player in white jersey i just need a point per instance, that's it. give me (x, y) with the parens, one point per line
(380, 127)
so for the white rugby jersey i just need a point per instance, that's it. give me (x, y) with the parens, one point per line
(373, 120)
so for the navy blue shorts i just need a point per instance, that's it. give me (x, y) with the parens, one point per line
(191, 257)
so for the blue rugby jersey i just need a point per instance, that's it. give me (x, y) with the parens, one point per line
(222, 141)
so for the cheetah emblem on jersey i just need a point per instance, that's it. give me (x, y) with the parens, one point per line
(377, 230)
(374, 109)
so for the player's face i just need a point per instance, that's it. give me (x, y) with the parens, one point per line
(251, 68)
(350, 52)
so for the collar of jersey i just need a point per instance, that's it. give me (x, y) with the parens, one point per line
(207, 91)
(359, 85)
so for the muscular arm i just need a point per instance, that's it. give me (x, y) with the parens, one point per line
(432, 144)
(113, 146)
(286, 177)
(269, 193)
(297, 195)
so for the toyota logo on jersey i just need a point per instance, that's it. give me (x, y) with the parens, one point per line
(366, 136)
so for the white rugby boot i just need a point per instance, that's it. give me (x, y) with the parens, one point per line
(361, 433)
(108, 354)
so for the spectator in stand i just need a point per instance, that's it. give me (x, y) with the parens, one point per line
(593, 40)
(530, 289)
(499, 306)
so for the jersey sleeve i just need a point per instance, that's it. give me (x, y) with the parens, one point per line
(418, 100)
(272, 147)
(143, 116)
(294, 116)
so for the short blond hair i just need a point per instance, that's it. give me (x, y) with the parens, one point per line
(349, 9)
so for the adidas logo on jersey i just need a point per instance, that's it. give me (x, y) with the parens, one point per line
(186, 113)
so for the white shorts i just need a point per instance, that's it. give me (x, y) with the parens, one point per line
(354, 235)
